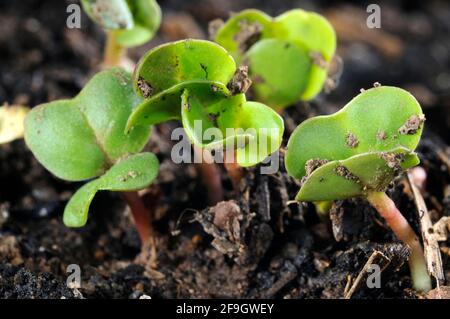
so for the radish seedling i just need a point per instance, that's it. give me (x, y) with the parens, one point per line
(197, 82)
(358, 151)
(288, 56)
(128, 23)
(83, 138)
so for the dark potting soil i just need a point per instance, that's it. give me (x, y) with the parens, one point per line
(284, 250)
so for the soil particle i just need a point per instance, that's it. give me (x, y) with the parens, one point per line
(351, 140)
(381, 135)
(227, 224)
(248, 35)
(318, 59)
(215, 88)
(213, 27)
(21, 283)
(10, 251)
(225, 213)
(130, 174)
(393, 160)
(344, 172)
(145, 88)
(442, 292)
(213, 118)
(287, 273)
(313, 164)
(321, 263)
(240, 82)
(412, 125)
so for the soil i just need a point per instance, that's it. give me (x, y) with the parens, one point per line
(269, 247)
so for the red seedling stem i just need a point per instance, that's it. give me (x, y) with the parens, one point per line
(401, 228)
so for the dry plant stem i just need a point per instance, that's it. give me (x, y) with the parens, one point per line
(235, 172)
(210, 174)
(114, 52)
(142, 217)
(399, 225)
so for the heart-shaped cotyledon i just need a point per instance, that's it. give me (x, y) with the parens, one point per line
(358, 149)
(83, 138)
(288, 56)
(197, 82)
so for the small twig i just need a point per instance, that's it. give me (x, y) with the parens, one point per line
(286, 277)
(441, 229)
(431, 246)
(377, 258)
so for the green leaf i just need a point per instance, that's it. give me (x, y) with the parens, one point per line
(165, 105)
(246, 36)
(109, 14)
(256, 130)
(239, 28)
(309, 28)
(129, 174)
(165, 71)
(134, 22)
(147, 19)
(304, 28)
(283, 80)
(267, 128)
(182, 61)
(370, 125)
(188, 80)
(359, 174)
(81, 138)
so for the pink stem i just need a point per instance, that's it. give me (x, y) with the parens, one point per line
(235, 172)
(399, 225)
(141, 215)
(210, 176)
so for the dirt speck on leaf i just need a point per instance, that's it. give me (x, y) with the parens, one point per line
(381, 135)
(248, 35)
(412, 125)
(130, 174)
(240, 82)
(313, 164)
(344, 172)
(145, 88)
(351, 140)
(393, 160)
(318, 59)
